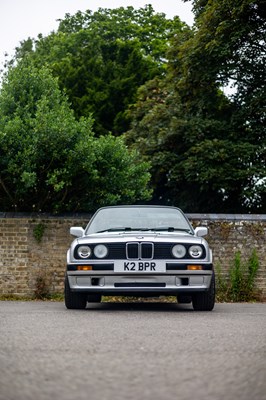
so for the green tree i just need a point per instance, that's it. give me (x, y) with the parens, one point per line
(208, 150)
(49, 160)
(229, 49)
(102, 58)
(121, 175)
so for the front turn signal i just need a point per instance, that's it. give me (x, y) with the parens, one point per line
(194, 267)
(84, 267)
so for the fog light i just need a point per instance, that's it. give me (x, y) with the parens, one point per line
(84, 267)
(194, 267)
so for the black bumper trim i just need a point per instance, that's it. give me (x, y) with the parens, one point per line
(169, 267)
(95, 267)
(141, 292)
(140, 284)
(183, 267)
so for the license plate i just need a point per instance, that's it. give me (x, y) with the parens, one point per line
(139, 266)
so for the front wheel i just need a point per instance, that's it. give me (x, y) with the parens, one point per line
(75, 301)
(205, 301)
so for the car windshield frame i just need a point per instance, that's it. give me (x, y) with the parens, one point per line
(138, 218)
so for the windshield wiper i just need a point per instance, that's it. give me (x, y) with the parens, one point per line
(127, 229)
(170, 229)
(159, 229)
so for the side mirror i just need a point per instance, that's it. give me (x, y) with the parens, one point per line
(77, 231)
(201, 231)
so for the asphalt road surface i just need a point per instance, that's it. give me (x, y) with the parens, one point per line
(148, 351)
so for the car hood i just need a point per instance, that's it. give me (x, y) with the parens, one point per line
(107, 237)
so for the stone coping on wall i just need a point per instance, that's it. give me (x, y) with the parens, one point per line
(193, 216)
(228, 217)
(45, 215)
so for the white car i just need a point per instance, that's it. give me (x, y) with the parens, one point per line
(139, 251)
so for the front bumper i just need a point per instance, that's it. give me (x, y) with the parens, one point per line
(169, 283)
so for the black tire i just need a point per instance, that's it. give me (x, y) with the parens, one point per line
(76, 301)
(94, 298)
(184, 299)
(205, 301)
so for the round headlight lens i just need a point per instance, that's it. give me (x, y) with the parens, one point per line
(100, 251)
(179, 251)
(195, 251)
(84, 251)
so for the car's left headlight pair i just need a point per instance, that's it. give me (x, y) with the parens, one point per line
(179, 251)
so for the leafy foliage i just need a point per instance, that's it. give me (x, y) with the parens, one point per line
(239, 283)
(38, 232)
(120, 177)
(208, 150)
(49, 161)
(101, 59)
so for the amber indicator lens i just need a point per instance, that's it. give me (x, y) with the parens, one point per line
(84, 268)
(194, 267)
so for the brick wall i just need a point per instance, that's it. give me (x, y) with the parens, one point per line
(23, 259)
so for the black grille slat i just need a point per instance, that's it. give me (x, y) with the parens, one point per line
(132, 251)
(163, 251)
(146, 251)
(116, 251)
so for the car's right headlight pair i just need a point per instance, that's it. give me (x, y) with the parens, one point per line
(100, 251)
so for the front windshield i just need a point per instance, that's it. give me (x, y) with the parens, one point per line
(138, 218)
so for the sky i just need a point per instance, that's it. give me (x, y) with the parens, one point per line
(20, 19)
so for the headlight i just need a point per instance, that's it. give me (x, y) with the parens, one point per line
(179, 251)
(195, 251)
(100, 251)
(84, 251)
